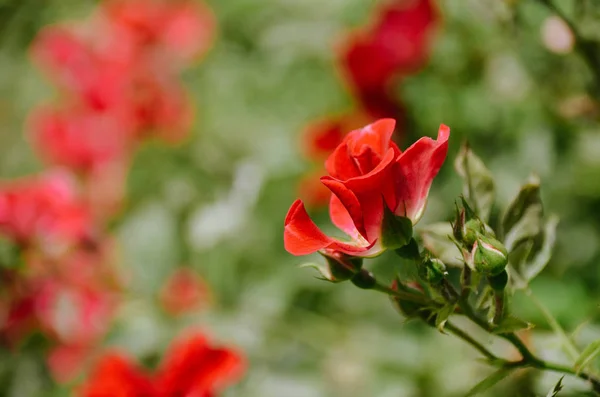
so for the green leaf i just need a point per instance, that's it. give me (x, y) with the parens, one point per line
(511, 324)
(557, 388)
(490, 381)
(396, 230)
(528, 195)
(587, 355)
(540, 259)
(437, 239)
(442, 316)
(528, 227)
(478, 183)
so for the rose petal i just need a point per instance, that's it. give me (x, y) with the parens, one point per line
(417, 167)
(302, 237)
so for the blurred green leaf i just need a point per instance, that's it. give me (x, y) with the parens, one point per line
(528, 195)
(437, 239)
(478, 182)
(587, 356)
(540, 259)
(490, 381)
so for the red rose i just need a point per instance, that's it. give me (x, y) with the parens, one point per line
(367, 171)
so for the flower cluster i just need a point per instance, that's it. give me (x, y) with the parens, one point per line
(368, 176)
(372, 61)
(57, 278)
(190, 367)
(118, 75)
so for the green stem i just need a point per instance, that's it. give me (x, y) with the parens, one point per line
(406, 296)
(469, 339)
(568, 345)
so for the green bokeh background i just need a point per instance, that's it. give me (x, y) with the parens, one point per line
(217, 202)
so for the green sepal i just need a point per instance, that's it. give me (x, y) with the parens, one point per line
(396, 230)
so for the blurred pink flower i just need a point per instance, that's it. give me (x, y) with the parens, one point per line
(80, 138)
(44, 211)
(183, 30)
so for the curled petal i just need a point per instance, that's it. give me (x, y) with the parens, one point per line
(416, 168)
(349, 201)
(341, 218)
(375, 136)
(302, 237)
(377, 178)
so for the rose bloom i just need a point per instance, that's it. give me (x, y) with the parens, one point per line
(190, 367)
(367, 171)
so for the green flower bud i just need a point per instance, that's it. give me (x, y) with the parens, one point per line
(473, 228)
(459, 225)
(432, 271)
(489, 256)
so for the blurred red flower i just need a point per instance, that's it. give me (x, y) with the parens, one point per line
(115, 376)
(190, 367)
(121, 70)
(80, 138)
(44, 211)
(183, 292)
(184, 29)
(367, 171)
(395, 45)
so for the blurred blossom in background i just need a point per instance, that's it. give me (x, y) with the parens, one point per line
(150, 150)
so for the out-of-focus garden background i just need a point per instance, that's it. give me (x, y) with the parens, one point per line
(506, 75)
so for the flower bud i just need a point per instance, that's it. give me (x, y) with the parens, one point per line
(432, 271)
(489, 256)
(459, 224)
(472, 229)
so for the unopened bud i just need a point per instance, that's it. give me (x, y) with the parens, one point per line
(459, 224)
(489, 256)
(432, 271)
(472, 229)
